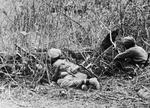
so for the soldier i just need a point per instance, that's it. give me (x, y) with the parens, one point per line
(68, 74)
(133, 55)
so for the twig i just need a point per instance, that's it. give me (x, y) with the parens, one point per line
(90, 72)
(108, 31)
(75, 22)
(101, 54)
(4, 12)
(145, 42)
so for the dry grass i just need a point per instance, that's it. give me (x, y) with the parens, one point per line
(64, 23)
(114, 93)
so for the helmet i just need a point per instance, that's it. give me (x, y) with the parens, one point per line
(128, 42)
(54, 53)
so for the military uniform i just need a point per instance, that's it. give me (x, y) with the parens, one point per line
(133, 55)
(68, 74)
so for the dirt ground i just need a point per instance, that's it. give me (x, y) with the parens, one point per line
(54, 99)
(53, 104)
(113, 94)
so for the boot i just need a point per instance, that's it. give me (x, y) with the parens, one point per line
(94, 82)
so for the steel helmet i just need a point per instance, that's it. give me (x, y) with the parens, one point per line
(128, 42)
(54, 53)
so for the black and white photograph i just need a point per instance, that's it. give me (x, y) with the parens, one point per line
(74, 53)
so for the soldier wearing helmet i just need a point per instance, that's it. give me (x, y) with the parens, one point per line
(68, 74)
(133, 54)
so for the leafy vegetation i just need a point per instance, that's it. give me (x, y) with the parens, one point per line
(29, 27)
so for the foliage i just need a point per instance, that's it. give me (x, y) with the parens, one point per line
(78, 25)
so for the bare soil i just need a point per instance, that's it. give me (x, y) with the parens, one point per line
(114, 93)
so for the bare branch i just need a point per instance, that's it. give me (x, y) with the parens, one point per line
(145, 42)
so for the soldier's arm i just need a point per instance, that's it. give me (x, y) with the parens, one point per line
(56, 75)
(128, 54)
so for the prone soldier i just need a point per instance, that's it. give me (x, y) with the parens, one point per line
(68, 74)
